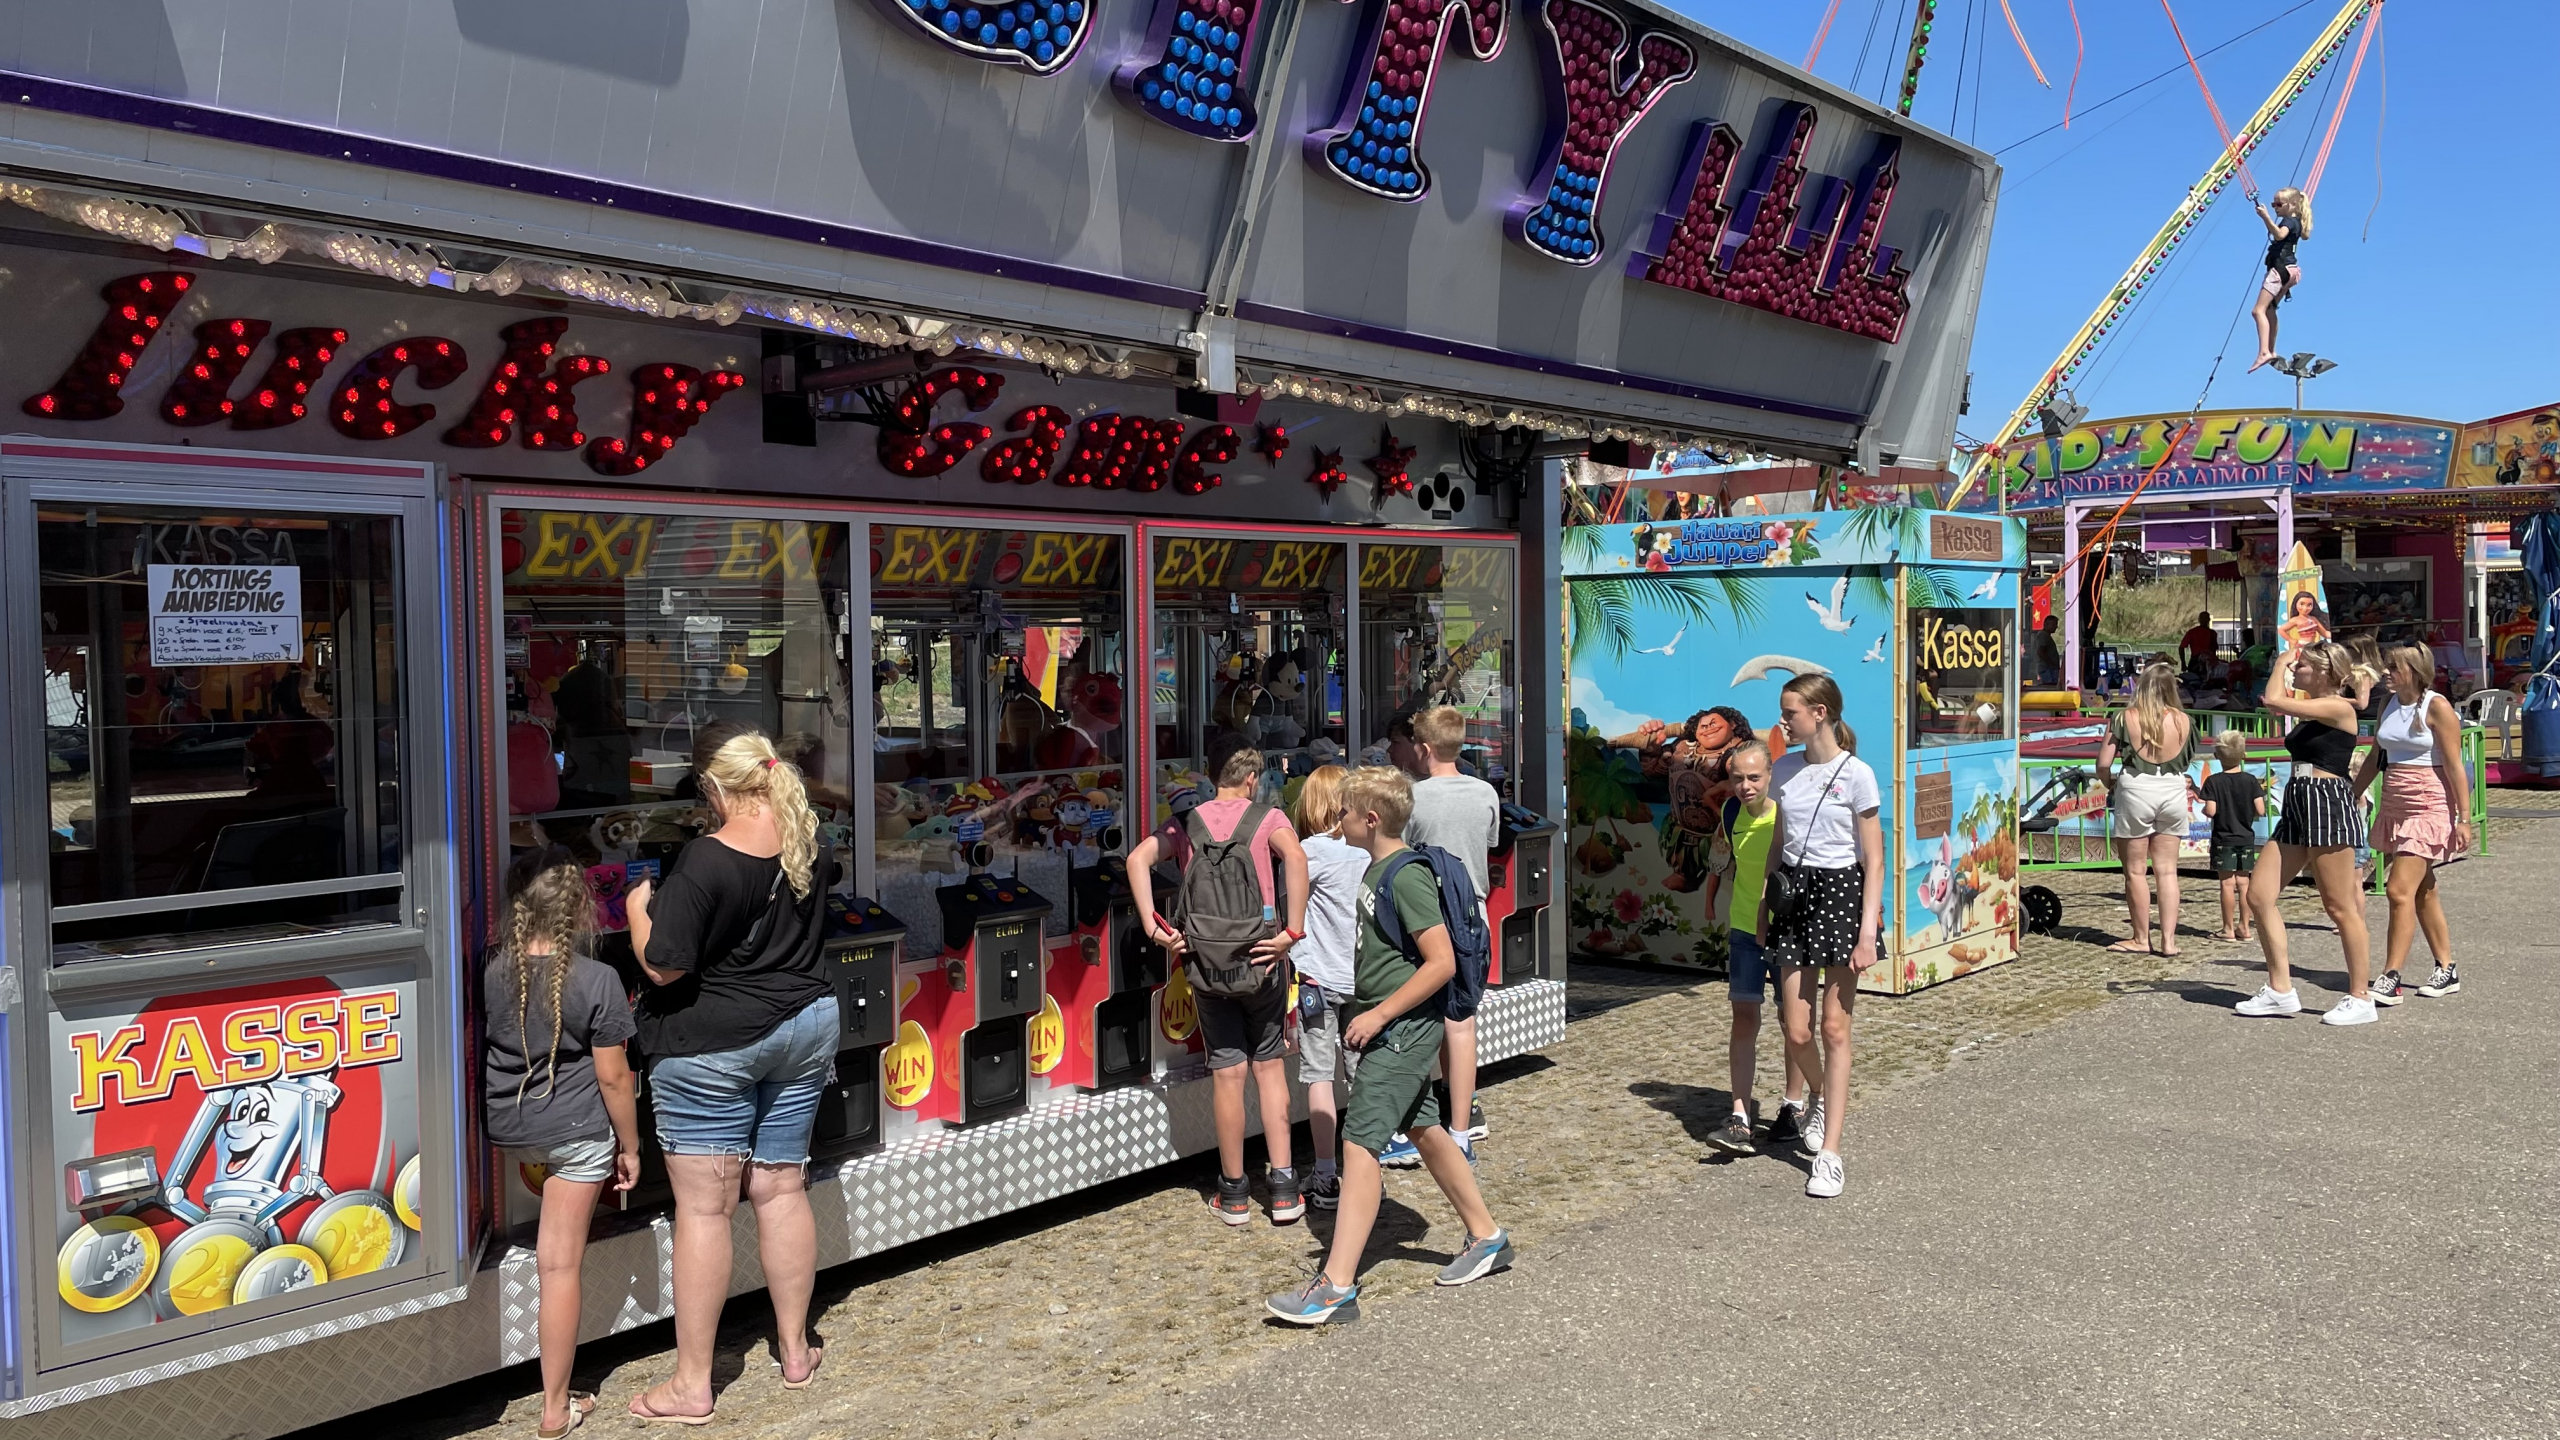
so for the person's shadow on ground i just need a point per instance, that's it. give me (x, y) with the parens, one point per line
(1701, 1109)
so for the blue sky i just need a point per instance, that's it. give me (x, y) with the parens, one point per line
(2455, 324)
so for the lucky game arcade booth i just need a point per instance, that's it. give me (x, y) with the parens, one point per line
(1683, 632)
(425, 439)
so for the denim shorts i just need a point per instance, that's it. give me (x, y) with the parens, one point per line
(1746, 969)
(759, 1101)
(588, 1162)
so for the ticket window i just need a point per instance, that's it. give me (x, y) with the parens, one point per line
(1248, 643)
(223, 726)
(1437, 627)
(1961, 662)
(997, 691)
(628, 640)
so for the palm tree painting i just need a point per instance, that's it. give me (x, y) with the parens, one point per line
(1891, 535)
(1602, 609)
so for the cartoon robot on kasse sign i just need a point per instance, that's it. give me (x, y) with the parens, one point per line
(265, 1143)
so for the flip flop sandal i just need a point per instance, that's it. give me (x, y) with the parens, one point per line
(647, 1414)
(817, 1357)
(2131, 947)
(577, 1417)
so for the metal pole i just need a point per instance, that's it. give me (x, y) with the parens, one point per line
(2071, 597)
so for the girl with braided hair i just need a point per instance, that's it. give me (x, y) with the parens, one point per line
(558, 1087)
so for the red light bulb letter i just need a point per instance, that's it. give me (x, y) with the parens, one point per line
(1026, 461)
(1214, 445)
(91, 388)
(202, 395)
(1376, 140)
(1589, 111)
(911, 445)
(1766, 246)
(363, 408)
(508, 395)
(277, 399)
(667, 401)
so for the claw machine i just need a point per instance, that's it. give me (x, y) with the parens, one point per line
(1682, 634)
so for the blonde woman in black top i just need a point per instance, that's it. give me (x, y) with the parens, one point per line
(2321, 826)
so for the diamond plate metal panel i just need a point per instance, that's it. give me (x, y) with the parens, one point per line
(915, 1187)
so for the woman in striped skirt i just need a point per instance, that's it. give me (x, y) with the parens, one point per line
(2322, 827)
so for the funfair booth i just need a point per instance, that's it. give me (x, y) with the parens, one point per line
(1683, 633)
(425, 437)
(2405, 518)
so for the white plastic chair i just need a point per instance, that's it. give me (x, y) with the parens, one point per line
(2494, 709)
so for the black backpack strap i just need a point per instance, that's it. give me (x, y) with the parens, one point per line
(1249, 824)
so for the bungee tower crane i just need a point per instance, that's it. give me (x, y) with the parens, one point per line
(2230, 163)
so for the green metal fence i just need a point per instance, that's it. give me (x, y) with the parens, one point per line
(2092, 846)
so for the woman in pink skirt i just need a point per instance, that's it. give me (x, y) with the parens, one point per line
(2426, 814)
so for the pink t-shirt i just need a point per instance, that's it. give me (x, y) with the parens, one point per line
(1221, 817)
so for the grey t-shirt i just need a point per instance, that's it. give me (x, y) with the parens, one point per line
(559, 1102)
(1461, 815)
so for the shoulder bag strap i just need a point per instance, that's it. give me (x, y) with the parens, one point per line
(764, 921)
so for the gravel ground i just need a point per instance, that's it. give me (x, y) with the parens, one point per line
(1063, 1317)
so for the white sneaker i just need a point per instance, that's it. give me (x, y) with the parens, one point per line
(1827, 1177)
(2271, 1001)
(2351, 1011)
(1813, 1128)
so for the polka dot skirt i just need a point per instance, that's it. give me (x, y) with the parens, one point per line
(1824, 928)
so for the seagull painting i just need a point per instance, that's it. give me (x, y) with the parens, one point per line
(1759, 666)
(1664, 649)
(1875, 652)
(1830, 616)
(1984, 591)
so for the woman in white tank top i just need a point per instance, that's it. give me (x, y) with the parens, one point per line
(2426, 815)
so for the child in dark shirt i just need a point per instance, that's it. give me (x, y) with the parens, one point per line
(2234, 800)
(559, 1088)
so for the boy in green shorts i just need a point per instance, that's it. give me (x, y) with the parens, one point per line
(1751, 820)
(1396, 1025)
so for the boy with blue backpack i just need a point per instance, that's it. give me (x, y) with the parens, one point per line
(1417, 912)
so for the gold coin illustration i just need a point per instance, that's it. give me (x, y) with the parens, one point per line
(106, 1263)
(275, 1271)
(355, 1234)
(405, 1193)
(202, 1274)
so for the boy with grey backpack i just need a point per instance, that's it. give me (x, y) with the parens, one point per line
(1232, 923)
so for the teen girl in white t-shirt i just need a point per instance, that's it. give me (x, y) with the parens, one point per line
(1829, 834)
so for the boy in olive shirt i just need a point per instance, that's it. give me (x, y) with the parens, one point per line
(1396, 1025)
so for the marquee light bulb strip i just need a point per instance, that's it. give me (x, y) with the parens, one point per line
(2148, 261)
(364, 409)
(202, 396)
(1375, 144)
(1591, 111)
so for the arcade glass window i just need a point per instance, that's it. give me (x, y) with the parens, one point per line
(223, 723)
(997, 680)
(1248, 642)
(1961, 660)
(1437, 626)
(627, 640)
